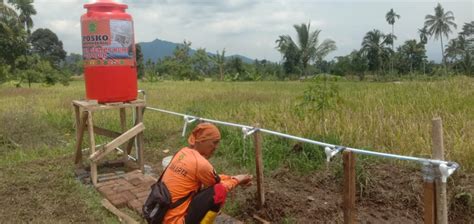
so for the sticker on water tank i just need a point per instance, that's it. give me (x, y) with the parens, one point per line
(107, 42)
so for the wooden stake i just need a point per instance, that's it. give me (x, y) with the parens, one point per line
(90, 126)
(438, 153)
(429, 201)
(349, 191)
(259, 167)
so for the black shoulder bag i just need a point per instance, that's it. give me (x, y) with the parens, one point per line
(159, 201)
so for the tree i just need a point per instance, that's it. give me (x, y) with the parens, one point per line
(467, 39)
(423, 32)
(235, 66)
(468, 30)
(219, 59)
(74, 64)
(411, 56)
(359, 63)
(12, 37)
(307, 47)
(391, 16)
(45, 43)
(291, 57)
(201, 62)
(375, 46)
(439, 25)
(460, 51)
(139, 58)
(180, 63)
(26, 11)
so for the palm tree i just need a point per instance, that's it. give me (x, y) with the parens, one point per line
(26, 11)
(439, 25)
(423, 32)
(391, 16)
(468, 29)
(307, 48)
(376, 46)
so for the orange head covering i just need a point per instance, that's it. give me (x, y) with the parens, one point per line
(203, 132)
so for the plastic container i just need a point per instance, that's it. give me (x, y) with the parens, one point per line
(166, 161)
(108, 49)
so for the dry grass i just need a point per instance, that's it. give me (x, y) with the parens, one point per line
(388, 117)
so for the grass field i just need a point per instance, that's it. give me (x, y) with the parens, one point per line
(37, 130)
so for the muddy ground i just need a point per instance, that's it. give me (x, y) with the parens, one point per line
(389, 194)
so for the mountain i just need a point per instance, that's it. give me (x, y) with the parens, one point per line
(158, 49)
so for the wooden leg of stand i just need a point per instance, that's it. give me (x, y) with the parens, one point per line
(90, 126)
(79, 137)
(123, 126)
(140, 141)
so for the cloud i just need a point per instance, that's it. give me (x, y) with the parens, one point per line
(250, 27)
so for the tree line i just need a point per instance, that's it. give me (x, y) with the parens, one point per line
(25, 56)
(304, 55)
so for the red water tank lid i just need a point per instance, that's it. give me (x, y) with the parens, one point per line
(105, 3)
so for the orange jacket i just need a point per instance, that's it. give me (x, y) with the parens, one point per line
(187, 172)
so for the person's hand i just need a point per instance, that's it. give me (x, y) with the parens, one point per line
(244, 179)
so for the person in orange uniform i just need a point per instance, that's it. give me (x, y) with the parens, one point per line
(190, 173)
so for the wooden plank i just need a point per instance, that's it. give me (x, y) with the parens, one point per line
(125, 105)
(124, 218)
(440, 187)
(128, 149)
(114, 104)
(259, 167)
(93, 105)
(90, 126)
(140, 140)
(261, 220)
(85, 104)
(349, 190)
(79, 137)
(106, 132)
(96, 156)
(429, 201)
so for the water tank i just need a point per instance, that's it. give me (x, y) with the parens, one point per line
(108, 49)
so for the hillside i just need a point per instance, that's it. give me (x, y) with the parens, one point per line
(158, 49)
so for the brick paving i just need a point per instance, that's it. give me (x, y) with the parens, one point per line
(127, 190)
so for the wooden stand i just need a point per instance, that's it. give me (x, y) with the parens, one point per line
(84, 121)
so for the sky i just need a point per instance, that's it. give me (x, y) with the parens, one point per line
(250, 27)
